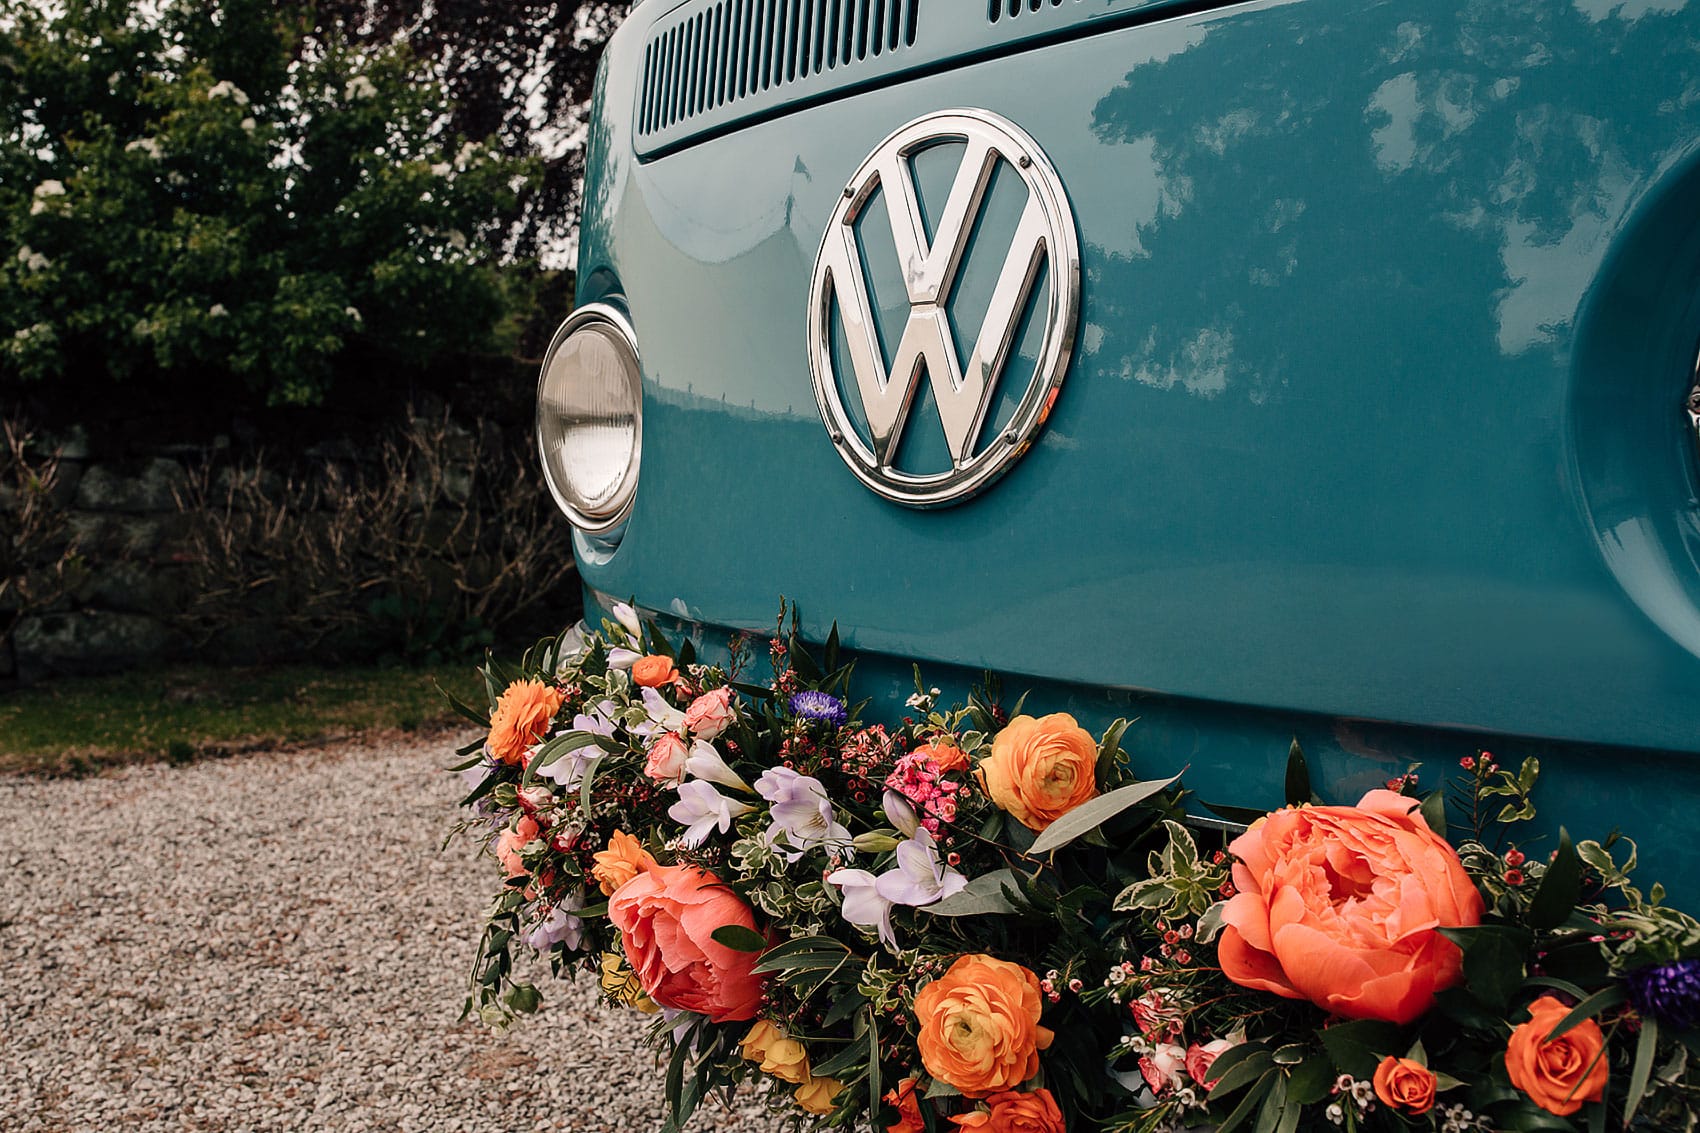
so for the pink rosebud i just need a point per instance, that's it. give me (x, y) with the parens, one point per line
(535, 798)
(667, 755)
(1162, 1068)
(1199, 1059)
(710, 714)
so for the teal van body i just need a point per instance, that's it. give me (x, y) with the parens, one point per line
(1373, 431)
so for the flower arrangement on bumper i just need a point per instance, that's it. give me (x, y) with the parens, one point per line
(982, 920)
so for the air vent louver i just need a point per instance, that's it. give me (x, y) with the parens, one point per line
(711, 56)
(1009, 9)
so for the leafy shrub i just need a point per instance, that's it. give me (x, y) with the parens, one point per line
(193, 193)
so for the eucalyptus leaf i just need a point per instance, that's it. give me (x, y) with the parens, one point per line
(1602, 1000)
(736, 936)
(988, 893)
(1646, 1043)
(1091, 815)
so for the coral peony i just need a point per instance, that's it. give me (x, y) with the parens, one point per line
(1039, 770)
(1406, 1085)
(908, 1105)
(653, 671)
(1560, 1075)
(522, 717)
(1034, 1112)
(778, 1053)
(623, 860)
(667, 917)
(980, 1025)
(1339, 905)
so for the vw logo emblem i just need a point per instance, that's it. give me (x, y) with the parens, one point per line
(966, 392)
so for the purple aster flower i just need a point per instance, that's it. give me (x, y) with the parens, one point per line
(1669, 993)
(822, 706)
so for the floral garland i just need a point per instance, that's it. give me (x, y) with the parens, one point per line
(981, 920)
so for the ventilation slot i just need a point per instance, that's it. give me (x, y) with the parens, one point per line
(1009, 9)
(715, 55)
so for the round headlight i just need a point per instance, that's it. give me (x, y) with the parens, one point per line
(590, 417)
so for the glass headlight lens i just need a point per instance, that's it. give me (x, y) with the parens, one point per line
(590, 417)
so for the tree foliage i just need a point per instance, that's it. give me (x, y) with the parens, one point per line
(197, 192)
(520, 73)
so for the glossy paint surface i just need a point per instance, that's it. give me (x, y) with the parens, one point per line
(1389, 311)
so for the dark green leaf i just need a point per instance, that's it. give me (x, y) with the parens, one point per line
(1253, 1097)
(1493, 960)
(1602, 1000)
(1090, 816)
(1298, 775)
(1235, 1055)
(1244, 815)
(736, 936)
(988, 893)
(1250, 1069)
(802, 944)
(1310, 1081)
(873, 1048)
(1434, 811)
(1357, 1047)
(1646, 1043)
(1560, 889)
(1269, 1114)
(845, 1003)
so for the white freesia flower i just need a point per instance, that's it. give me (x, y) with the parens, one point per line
(149, 147)
(862, 903)
(249, 125)
(664, 715)
(802, 812)
(900, 813)
(704, 762)
(32, 259)
(359, 87)
(701, 809)
(217, 311)
(628, 619)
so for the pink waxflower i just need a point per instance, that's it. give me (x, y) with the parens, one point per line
(710, 714)
(668, 752)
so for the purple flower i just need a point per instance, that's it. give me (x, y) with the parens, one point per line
(919, 878)
(701, 809)
(1669, 993)
(560, 927)
(820, 706)
(801, 811)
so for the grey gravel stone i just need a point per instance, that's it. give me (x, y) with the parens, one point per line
(276, 942)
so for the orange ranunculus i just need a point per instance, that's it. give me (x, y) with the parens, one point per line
(1405, 1084)
(980, 1025)
(816, 1094)
(1339, 905)
(1560, 1075)
(777, 1053)
(1036, 1112)
(945, 754)
(653, 671)
(909, 1119)
(522, 716)
(667, 916)
(1039, 770)
(623, 860)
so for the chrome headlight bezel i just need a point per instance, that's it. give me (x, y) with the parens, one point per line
(612, 326)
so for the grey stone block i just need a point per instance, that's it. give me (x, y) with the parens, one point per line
(107, 487)
(88, 642)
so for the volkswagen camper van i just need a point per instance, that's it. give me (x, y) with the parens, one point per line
(1292, 368)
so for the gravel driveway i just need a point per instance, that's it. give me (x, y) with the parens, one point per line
(276, 942)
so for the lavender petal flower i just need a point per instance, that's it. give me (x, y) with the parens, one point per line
(801, 810)
(862, 903)
(560, 927)
(701, 809)
(919, 878)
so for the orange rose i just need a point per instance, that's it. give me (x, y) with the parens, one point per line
(909, 1119)
(1036, 1112)
(1560, 1075)
(1339, 905)
(944, 754)
(653, 671)
(623, 860)
(980, 1025)
(1039, 770)
(522, 716)
(667, 916)
(1405, 1084)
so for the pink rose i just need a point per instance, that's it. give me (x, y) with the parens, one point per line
(1199, 1059)
(667, 755)
(710, 714)
(1162, 1068)
(508, 846)
(667, 916)
(1156, 1017)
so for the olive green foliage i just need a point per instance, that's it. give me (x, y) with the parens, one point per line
(196, 195)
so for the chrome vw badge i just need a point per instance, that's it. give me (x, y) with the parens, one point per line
(1044, 248)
